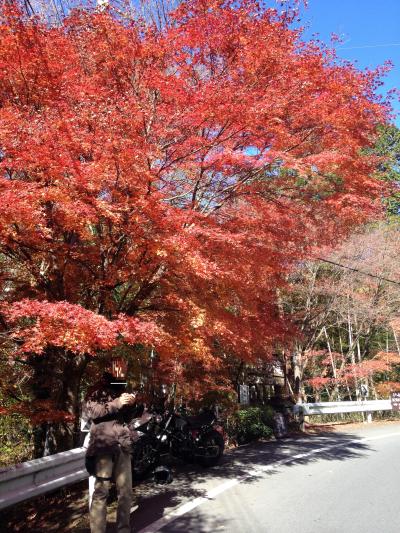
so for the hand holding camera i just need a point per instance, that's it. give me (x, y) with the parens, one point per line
(127, 398)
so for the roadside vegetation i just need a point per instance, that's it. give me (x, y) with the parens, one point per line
(170, 194)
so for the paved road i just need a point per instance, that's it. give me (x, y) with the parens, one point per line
(347, 481)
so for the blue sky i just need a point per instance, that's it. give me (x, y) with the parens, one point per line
(370, 30)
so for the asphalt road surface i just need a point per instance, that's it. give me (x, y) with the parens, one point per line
(345, 481)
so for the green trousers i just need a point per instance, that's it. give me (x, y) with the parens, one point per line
(121, 470)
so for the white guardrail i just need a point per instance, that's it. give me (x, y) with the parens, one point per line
(326, 408)
(33, 478)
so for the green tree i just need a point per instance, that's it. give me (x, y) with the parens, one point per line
(388, 148)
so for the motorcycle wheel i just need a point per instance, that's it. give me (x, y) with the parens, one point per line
(144, 458)
(211, 448)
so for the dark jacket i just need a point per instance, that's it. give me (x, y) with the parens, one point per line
(109, 431)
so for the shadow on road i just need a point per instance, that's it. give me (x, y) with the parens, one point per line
(61, 514)
(192, 482)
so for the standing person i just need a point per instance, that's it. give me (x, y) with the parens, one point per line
(109, 451)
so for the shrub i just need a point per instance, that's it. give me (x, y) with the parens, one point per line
(250, 423)
(16, 440)
(267, 415)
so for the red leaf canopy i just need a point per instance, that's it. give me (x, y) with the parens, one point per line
(173, 175)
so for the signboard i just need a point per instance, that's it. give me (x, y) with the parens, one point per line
(278, 369)
(395, 400)
(244, 394)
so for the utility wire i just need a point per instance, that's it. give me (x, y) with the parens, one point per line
(386, 45)
(357, 270)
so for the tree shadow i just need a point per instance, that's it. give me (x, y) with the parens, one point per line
(248, 463)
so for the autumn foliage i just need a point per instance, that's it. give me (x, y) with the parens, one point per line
(346, 308)
(157, 184)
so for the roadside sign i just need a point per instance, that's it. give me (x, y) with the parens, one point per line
(244, 394)
(395, 399)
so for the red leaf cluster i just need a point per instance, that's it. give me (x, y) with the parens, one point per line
(38, 412)
(158, 183)
(73, 328)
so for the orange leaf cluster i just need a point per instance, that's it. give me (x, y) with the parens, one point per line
(158, 183)
(74, 328)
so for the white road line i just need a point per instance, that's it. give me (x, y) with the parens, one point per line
(380, 437)
(222, 488)
(219, 489)
(169, 517)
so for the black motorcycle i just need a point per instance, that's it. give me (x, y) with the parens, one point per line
(191, 438)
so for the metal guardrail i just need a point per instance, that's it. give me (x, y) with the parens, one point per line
(325, 408)
(33, 478)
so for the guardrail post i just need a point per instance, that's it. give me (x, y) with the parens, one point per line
(302, 420)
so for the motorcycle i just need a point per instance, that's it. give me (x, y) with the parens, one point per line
(170, 432)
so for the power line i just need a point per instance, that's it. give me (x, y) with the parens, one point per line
(357, 270)
(386, 45)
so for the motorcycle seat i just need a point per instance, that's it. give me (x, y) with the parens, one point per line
(197, 421)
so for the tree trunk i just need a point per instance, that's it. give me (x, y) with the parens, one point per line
(351, 354)
(62, 389)
(298, 375)
(66, 434)
(333, 364)
(396, 341)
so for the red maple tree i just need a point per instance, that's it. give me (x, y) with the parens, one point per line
(158, 183)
